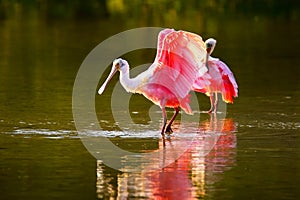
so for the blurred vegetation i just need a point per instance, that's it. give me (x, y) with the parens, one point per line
(162, 9)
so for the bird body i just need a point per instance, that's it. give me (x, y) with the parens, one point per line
(218, 79)
(180, 60)
(145, 84)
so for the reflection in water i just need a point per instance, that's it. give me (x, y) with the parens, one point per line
(192, 175)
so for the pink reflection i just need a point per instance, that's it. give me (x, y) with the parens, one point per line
(188, 177)
(173, 181)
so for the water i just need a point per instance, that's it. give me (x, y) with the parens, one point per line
(256, 153)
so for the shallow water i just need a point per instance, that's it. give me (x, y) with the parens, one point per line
(252, 152)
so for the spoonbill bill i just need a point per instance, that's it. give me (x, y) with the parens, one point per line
(180, 60)
(218, 79)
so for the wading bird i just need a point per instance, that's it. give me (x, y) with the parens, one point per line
(179, 61)
(218, 79)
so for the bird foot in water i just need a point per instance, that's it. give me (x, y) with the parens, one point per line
(212, 110)
(169, 130)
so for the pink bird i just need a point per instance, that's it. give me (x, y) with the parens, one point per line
(180, 60)
(218, 79)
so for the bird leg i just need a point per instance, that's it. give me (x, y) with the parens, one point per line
(165, 120)
(212, 103)
(169, 129)
(216, 102)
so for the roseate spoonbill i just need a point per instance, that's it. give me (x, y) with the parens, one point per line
(180, 60)
(218, 79)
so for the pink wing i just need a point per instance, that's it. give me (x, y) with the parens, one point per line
(230, 88)
(219, 79)
(161, 37)
(179, 61)
(202, 83)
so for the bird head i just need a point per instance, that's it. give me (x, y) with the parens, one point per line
(118, 65)
(210, 45)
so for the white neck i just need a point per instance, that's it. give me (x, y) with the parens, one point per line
(208, 57)
(206, 60)
(129, 84)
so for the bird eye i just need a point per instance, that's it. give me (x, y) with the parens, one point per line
(209, 45)
(120, 64)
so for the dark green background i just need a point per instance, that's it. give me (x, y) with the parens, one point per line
(43, 43)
